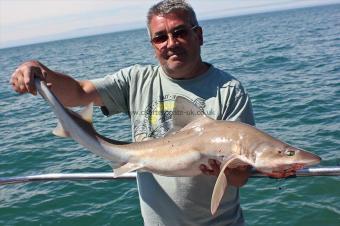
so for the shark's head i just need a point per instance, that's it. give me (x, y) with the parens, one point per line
(278, 159)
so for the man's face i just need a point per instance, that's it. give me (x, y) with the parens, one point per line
(177, 55)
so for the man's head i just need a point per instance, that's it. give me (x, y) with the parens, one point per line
(176, 38)
(168, 6)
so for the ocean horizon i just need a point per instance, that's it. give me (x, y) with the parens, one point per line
(74, 35)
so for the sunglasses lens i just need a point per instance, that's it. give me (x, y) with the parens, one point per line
(159, 39)
(180, 33)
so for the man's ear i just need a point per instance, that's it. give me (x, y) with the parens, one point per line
(200, 35)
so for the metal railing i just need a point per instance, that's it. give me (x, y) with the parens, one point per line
(307, 172)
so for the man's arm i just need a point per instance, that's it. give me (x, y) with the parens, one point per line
(70, 92)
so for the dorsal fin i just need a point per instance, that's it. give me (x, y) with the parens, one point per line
(184, 113)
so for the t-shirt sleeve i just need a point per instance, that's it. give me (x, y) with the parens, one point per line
(114, 91)
(239, 107)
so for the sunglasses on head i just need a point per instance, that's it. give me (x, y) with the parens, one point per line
(179, 33)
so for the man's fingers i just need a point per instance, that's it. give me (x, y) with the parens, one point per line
(244, 168)
(202, 167)
(238, 176)
(19, 82)
(212, 169)
(28, 82)
(22, 80)
(205, 170)
(29, 78)
(215, 165)
(13, 79)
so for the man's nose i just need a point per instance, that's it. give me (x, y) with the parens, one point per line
(171, 41)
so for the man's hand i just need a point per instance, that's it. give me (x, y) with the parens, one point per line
(22, 80)
(235, 176)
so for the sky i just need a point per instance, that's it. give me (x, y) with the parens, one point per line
(33, 21)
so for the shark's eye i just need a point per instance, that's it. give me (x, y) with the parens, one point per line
(290, 152)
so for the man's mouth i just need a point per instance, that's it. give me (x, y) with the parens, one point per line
(174, 57)
(175, 54)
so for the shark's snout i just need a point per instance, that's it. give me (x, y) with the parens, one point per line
(314, 160)
(308, 158)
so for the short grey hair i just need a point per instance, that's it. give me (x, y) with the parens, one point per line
(168, 6)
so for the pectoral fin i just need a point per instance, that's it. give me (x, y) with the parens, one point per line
(60, 131)
(126, 168)
(85, 114)
(221, 184)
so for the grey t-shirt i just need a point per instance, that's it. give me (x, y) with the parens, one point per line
(147, 94)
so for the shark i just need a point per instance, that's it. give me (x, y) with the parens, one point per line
(193, 140)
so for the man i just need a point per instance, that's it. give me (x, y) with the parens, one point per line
(147, 94)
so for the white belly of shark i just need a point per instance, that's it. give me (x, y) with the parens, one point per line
(192, 142)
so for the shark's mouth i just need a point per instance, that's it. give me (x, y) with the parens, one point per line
(285, 170)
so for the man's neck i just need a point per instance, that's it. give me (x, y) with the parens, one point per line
(194, 72)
